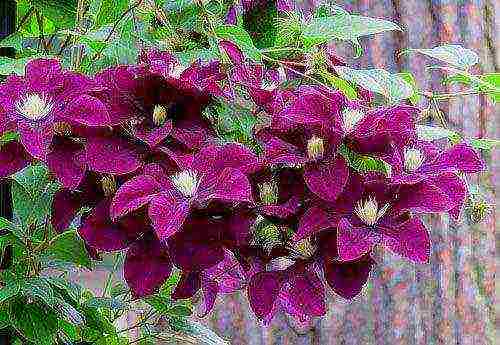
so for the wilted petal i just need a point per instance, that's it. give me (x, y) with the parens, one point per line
(313, 221)
(99, 231)
(348, 278)
(327, 180)
(168, 211)
(88, 111)
(353, 242)
(134, 194)
(110, 155)
(147, 266)
(13, 158)
(410, 240)
(63, 161)
(263, 290)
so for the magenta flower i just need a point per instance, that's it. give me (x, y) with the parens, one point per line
(211, 175)
(13, 157)
(45, 96)
(315, 148)
(374, 212)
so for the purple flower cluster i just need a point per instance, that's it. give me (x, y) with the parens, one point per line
(132, 144)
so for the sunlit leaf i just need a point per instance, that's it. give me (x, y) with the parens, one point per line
(451, 54)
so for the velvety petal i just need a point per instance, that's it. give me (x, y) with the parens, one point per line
(229, 185)
(110, 155)
(147, 266)
(134, 194)
(353, 242)
(231, 155)
(284, 210)
(278, 151)
(192, 138)
(327, 180)
(313, 221)
(461, 157)
(410, 240)
(305, 296)
(456, 190)
(188, 285)
(65, 206)
(64, 163)
(36, 140)
(348, 278)
(44, 75)
(88, 111)
(168, 211)
(228, 274)
(13, 157)
(155, 136)
(263, 290)
(99, 231)
(422, 197)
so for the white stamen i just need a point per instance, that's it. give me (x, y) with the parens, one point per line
(368, 211)
(413, 159)
(186, 182)
(315, 147)
(34, 107)
(351, 118)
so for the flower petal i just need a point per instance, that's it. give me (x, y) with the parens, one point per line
(36, 140)
(65, 206)
(230, 185)
(305, 297)
(233, 52)
(348, 278)
(168, 211)
(155, 136)
(410, 240)
(44, 75)
(99, 231)
(263, 291)
(353, 242)
(456, 190)
(210, 290)
(147, 266)
(422, 197)
(88, 111)
(111, 155)
(13, 157)
(64, 162)
(278, 151)
(461, 157)
(313, 221)
(134, 194)
(188, 285)
(327, 180)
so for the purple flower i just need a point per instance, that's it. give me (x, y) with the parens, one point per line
(13, 157)
(374, 212)
(215, 173)
(46, 96)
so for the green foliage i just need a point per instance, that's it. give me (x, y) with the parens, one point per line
(241, 38)
(364, 163)
(451, 54)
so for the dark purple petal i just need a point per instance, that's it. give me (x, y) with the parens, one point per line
(278, 151)
(348, 278)
(13, 157)
(327, 180)
(210, 290)
(410, 240)
(155, 136)
(232, 155)
(189, 284)
(422, 197)
(99, 231)
(147, 266)
(305, 297)
(168, 211)
(65, 206)
(229, 185)
(353, 242)
(110, 155)
(134, 194)
(460, 157)
(232, 16)
(88, 111)
(64, 162)
(313, 221)
(285, 210)
(263, 290)
(228, 274)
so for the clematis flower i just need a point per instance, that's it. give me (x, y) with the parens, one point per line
(13, 157)
(46, 96)
(315, 148)
(203, 177)
(375, 212)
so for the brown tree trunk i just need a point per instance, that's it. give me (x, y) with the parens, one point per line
(452, 299)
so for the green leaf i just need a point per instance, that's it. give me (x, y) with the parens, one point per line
(241, 38)
(393, 87)
(4, 317)
(344, 86)
(105, 302)
(39, 289)
(8, 137)
(484, 143)
(180, 310)
(14, 41)
(35, 323)
(110, 11)
(451, 54)
(260, 21)
(431, 133)
(410, 79)
(60, 12)
(12, 289)
(69, 247)
(364, 163)
(494, 80)
(10, 66)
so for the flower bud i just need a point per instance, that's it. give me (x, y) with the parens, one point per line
(315, 147)
(159, 115)
(413, 159)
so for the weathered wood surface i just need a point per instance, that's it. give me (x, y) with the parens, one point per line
(451, 300)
